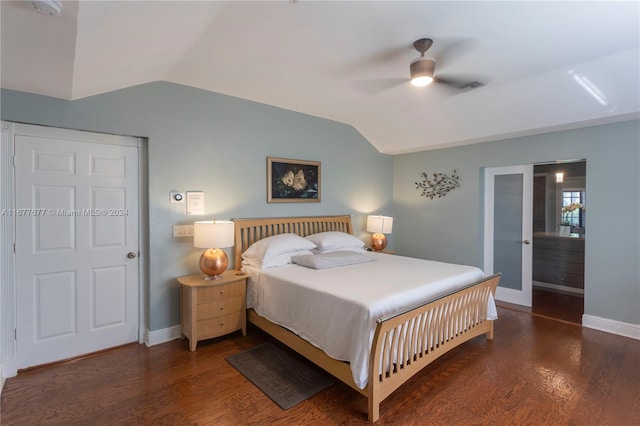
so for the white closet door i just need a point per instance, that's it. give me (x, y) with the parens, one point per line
(76, 246)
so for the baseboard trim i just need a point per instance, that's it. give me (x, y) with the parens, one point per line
(9, 368)
(165, 335)
(612, 326)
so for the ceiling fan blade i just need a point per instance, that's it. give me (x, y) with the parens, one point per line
(374, 59)
(387, 55)
(462, 84)
(375, 86)
(447, 51)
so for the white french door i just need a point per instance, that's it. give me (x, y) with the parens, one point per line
(508, 214)
(76, 221)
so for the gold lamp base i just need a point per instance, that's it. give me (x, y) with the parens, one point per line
(378, 242)
(213, 263)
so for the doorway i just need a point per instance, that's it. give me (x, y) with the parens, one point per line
(559, 232)
(535, 226)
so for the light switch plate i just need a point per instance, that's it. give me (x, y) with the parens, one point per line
(183, 230)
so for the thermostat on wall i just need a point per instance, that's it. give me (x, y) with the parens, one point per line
(176, 197)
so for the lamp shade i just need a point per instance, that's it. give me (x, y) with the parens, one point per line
(213, 234)
(379, 224)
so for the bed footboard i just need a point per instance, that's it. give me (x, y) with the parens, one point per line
(405, 343)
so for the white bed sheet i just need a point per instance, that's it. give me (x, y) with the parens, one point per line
(336, 309)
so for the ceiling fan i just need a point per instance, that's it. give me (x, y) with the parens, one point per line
(422, 70)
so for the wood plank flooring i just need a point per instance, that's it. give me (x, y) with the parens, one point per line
(552, 304)
(558, 305)
(535, 372)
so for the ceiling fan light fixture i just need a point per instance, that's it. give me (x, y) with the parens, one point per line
(422, 72)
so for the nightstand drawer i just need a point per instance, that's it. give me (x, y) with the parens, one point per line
(219, 326)
(220, 292)
(220, 308)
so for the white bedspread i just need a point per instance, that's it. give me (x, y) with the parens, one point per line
(336, 309)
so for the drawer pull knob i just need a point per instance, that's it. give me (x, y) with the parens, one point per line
(221, 324)
(222, 308)
(221, 291)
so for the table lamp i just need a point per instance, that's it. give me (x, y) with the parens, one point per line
(379, 225)
(212, 236)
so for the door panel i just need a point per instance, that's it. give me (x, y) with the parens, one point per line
(108, 230)
(108, 296)
(77, 291)
(54, 231)
(508, 231)
(55, 310)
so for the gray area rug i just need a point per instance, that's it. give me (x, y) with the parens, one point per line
(280, 373)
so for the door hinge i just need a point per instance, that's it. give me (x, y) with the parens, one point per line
(14, 248)
(15, 334)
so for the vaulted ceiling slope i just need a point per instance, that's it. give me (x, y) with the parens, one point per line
(545, 65)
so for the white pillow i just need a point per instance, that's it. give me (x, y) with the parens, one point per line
(265, 250)
(276, 260)
(333, 240)
(353, 249)
(331, 260)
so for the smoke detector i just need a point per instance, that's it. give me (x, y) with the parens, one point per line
(46, 7)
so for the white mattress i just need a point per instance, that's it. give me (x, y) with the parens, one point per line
(336, 309)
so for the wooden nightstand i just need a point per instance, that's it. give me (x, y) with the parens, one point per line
(212, 308)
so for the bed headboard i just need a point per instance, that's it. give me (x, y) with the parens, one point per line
(248, 231)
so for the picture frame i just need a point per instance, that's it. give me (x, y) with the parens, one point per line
(293, 181)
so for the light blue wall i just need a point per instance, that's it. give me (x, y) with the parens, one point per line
(205, 141)
(450, 228)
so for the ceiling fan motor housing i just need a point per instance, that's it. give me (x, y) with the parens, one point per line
(422, 67)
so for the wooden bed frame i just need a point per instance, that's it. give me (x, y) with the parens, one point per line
(408, 341)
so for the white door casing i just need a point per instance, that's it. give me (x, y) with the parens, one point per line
(77, 238)
(508, 242)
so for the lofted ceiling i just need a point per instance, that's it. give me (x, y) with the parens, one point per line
(545, 65)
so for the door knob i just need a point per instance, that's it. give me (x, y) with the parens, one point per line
(526, 242)
(131, 255)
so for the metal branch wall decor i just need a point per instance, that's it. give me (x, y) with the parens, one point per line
(439, 185)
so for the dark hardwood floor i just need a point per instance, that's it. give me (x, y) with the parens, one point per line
(536, 371)
(560, 306)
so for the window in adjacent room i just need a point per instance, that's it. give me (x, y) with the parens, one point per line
(576, 217)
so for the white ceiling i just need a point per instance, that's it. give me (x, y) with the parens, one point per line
(546, 65)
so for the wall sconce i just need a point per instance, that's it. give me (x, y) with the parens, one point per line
(559, 177)
(379, 225)
(213, 235)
